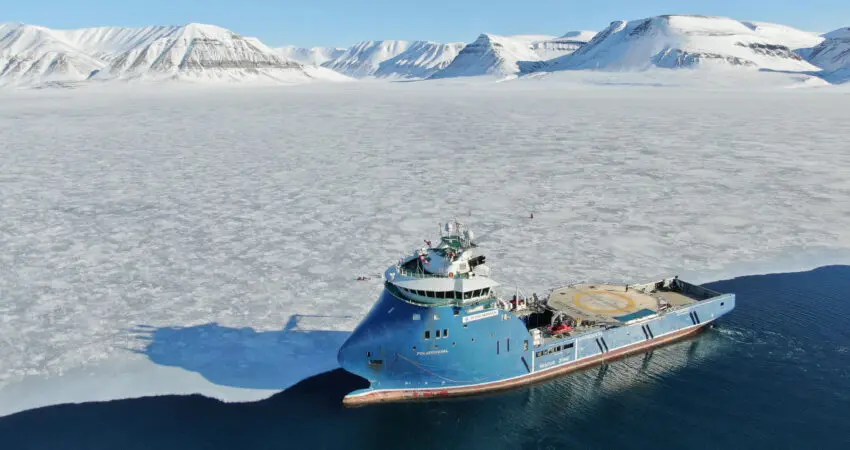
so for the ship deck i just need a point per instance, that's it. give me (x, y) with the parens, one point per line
(605, 303)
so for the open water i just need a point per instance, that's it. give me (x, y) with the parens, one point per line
(774, 373)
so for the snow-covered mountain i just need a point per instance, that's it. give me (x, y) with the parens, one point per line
(420, 60)
(493, 55)
(315, 55)
(31, 54)
(691, 41)
(564, 45)
(364, 58)
(506, 56)
(106, 43)
(833, 55)
(197, 51)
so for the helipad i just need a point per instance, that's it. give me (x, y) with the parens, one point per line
(605, 302)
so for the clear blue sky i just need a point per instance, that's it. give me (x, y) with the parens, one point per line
(344, 22)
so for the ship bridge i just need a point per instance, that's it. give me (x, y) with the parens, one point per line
(450, 272)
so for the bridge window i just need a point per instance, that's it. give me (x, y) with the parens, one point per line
(508, 346)
(458, 295)
(438, 334)
(441, 295)
(445, 332)
(427, 334)
(525, 346)
(497, 347)
(429, 293)
(467, 295)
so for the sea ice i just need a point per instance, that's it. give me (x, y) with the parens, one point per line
(180, 240)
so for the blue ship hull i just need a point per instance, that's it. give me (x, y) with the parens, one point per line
(411, 351)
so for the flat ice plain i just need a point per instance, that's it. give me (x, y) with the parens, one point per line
(164, 240)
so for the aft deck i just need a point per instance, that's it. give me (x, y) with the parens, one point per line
(613, 304)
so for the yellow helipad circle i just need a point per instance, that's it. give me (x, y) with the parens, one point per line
(629, 302)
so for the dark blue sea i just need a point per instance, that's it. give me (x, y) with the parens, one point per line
(774, 373)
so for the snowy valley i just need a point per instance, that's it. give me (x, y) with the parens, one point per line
(34, 56)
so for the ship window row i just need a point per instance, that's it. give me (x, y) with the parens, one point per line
(437, 334)
(449, 294)
(556, 349)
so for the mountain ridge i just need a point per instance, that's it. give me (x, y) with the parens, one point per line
(685, 42)
(31, 55)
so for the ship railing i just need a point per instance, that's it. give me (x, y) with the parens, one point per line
(420, 274)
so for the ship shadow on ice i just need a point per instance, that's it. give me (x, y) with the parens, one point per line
(244, 357)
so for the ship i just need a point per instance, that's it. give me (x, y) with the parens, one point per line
(442, 327)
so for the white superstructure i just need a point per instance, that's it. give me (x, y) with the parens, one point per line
(452, 271)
